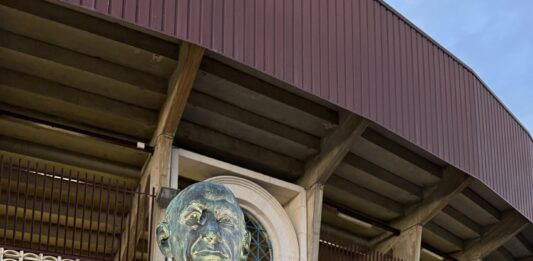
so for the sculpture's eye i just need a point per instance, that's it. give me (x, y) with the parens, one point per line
(194, 216)
(226, 220)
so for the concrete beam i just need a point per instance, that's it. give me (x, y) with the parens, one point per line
(505, 253)
(81, 41)
(80, 61)
(495, 236)
(383, 174)
(444, 235)
(237, 151)
(523, 240)
(38, 94)
(47, 155)
(96, 25)
(259, 122)
(462, 219)
(179, 88)
(266, 89)
(334, 148)
(402, 152)
(452, 183)
(69, 141)
(482, 203)
(350, 194)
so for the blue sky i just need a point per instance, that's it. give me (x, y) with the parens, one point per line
(493, 37)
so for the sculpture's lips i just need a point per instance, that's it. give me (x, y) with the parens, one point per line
(209, 252)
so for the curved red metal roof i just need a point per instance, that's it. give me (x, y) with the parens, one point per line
(363, 56)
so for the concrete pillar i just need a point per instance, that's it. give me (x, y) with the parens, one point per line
(314, 218)
(158, 171)
(409, 245)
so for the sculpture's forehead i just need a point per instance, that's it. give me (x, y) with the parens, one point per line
(209, 193)
(213, 195)
(204, 195)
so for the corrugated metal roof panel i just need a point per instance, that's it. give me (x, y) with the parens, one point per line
(364, 57)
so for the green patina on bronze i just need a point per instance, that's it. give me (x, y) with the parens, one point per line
(204, 222)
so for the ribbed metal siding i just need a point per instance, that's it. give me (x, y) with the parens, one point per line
(365, 58)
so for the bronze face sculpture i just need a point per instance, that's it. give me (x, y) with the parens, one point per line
(204, 222)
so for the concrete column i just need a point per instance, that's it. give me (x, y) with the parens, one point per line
(409, 245)
(314, 218)
(158, 171)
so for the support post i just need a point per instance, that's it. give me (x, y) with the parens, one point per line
(157, 169)
(319, 169)
(409, 244)
(314, 219)
(159, 175)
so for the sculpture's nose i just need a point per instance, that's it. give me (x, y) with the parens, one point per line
(211, 237)
(210, 227)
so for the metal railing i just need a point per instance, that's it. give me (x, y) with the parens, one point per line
(75, 215)
(332, 250)
(14, 255)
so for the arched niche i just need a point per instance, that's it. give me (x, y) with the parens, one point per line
(280, 206)
(263, 206)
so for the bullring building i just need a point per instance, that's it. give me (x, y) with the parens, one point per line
(344, 131)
